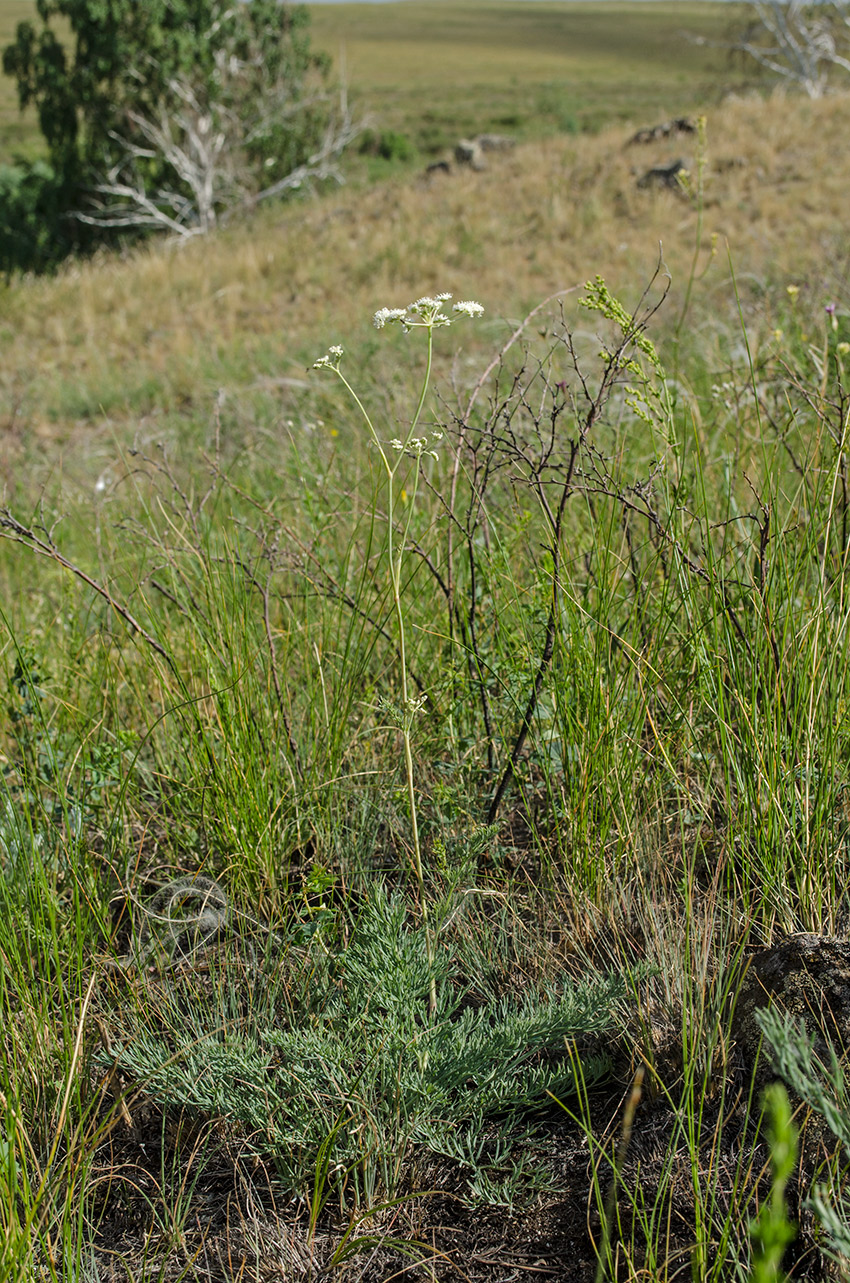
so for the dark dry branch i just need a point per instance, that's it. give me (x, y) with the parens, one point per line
(533, 458)
(546, 653)
(43, 546)
(455, 614)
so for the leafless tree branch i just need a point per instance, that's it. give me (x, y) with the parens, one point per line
(204, 150)
(797, 41)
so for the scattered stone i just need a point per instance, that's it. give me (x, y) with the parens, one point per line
(495, 142)
(727, 163)
(667, 129)
(664, 176)
(470, 152)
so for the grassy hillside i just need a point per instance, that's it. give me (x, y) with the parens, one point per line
(396, 779)
(160, 331)
(437, 71)
(440, 70)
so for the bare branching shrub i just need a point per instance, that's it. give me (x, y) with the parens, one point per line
(797, 41)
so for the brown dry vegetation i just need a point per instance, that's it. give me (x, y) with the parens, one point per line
(168, 326)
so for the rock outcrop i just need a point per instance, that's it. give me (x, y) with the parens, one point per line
(809, 977)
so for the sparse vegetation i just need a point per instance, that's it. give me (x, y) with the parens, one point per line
(305, 975)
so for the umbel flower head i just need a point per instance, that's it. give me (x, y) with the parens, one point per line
(427, 312)
(330, 361)
(468, 308)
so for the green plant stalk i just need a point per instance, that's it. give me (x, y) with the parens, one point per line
(771, 1231)
(396, 560)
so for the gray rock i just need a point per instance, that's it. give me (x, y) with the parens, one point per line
(664, 176)
(809, 977)
(495, 142)
(667, 129)
(470, 152)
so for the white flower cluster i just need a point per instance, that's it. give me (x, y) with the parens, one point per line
(397, 714)
(330, 361)
(725, 393)
(468, 308)
(385, 314)
(426, 312)
(415, 703)
(417, 446)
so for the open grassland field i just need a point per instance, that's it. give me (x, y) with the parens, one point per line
(438, 71)
(395, 795)
(442, 70)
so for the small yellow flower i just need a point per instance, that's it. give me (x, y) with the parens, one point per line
(792, 290)
(843, 348)
(404, 496)
(777, 334)
(334, 432)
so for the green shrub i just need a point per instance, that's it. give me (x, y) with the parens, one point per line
(348, 1065)
(388, 144)
(34, 233)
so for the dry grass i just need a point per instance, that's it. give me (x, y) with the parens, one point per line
(109, 341)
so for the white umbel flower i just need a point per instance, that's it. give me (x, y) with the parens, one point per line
(385, 314)
(330, 361)
(425, 313)
(468, 308)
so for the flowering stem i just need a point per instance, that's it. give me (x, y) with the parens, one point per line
(395, 562)
(425, 313)
(425, 382)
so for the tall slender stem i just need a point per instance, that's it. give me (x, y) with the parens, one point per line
(396, 560)
(425, 313)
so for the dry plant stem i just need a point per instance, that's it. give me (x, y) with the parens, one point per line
(454, 611)
(548, 647)
(595, 404)
(11, 528)
(395, 559)
(537, 469)
(623, 1149)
